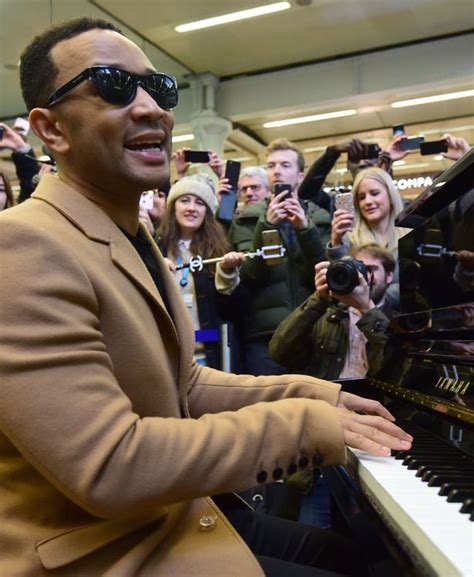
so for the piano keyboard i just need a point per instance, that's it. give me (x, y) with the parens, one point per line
(436, 535)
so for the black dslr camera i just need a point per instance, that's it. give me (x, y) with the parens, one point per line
(342, 277)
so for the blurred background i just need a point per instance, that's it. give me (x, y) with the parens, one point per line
(356, 61)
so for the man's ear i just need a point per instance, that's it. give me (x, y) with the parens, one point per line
(48, 128)
(389, 277)
(300, 178)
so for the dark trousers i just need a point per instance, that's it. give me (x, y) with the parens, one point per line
(288, 549)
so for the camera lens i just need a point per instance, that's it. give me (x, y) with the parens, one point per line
(342, 276)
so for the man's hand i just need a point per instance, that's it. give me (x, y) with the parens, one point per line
(393, 148)
(355, 149)
(11, 139)
(276, 211)
(342, 222)
(359, 298)
(181, 164)
(217, 164)
(320, 282)
(295, 213)
(375, 432)
(456, 147)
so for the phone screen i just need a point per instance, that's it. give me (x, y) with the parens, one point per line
(1, 132)
(227, 205)
(433, 147)
(411, 143)
(197, 156)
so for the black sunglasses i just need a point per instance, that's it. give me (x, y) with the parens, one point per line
(119, 87)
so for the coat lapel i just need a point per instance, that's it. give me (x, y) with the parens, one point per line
(98, 226)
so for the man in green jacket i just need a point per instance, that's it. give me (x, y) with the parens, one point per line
(277, 289)
(334, 336)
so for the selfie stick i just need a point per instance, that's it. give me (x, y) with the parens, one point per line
(196, 263)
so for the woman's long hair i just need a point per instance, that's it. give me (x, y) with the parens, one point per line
(362, 233)
(8, 189)
(209, 241)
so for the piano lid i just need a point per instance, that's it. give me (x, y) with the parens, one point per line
(446, 188)
(429, 358)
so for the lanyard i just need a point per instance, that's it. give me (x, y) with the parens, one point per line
(184, 272)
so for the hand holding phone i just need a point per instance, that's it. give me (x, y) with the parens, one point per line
(229, 198)
(146, 200)
(282, 187)
(371, 151)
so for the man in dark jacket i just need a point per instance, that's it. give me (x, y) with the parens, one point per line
(343, 336)
(277, 287)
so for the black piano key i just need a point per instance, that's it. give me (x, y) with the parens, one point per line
(449, 474)
(446, 488)
(460, 495)
(416, 462)
(438, 479)
(430, 466)
(425, 471)
(468, 507)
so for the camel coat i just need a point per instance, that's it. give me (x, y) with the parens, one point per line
(111, 436)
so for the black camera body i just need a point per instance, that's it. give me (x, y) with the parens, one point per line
(342, 276)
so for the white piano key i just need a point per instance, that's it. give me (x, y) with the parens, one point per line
(437, 536)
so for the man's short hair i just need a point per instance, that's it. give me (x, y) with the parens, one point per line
(376, 251)
(258, 171)
(37, 70)
(285, 144)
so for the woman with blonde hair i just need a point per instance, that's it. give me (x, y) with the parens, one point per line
(377, 202)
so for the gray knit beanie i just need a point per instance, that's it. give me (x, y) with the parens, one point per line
(200, 185)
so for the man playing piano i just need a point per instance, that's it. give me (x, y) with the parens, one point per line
(111, 435)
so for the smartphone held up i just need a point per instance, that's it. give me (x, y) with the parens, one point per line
(229, 198)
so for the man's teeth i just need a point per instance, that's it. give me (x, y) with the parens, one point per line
(144, 146)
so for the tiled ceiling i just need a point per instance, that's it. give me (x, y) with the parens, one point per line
(318, 56)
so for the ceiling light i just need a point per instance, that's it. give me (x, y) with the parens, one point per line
(398, 163)
(439, 157)
(183, 137)
(233, 17)
(312, 118)
(413, 166)
(434, 98)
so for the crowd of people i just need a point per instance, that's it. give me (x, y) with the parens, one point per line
(116, 421)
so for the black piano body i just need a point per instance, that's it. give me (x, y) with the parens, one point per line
(426, 381)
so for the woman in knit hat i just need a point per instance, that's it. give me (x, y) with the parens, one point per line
(189, 228)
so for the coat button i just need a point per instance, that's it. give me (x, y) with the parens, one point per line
(262, 477)
(277, 473)
(292, 469)
(208, 522)
(318, 460)
(303, 462)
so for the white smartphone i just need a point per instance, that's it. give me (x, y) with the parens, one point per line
(146, 200)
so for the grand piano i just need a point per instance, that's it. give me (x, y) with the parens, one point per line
(413, 513)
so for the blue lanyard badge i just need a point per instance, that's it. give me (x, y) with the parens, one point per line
(183, 281)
